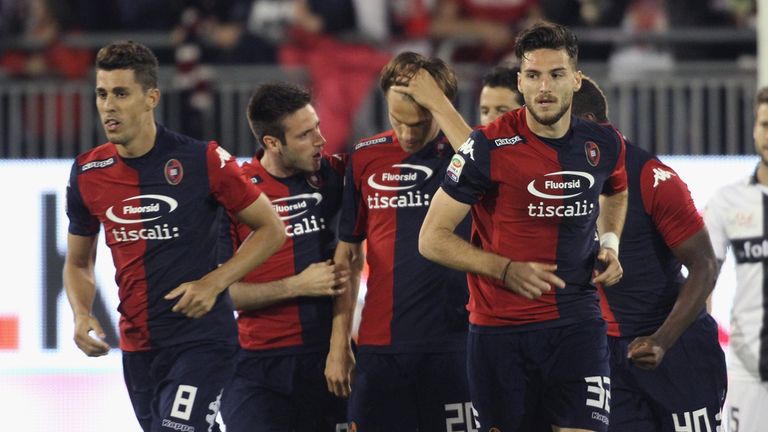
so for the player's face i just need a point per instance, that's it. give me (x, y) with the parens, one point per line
(303, 141)
(125, 109)
(547, 80)
(760, 132)
(495, 101)
(414, 126)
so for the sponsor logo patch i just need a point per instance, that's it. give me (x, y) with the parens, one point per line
(97, 164)
(371, 142)
(660, 175)
(455, 168)
(408, 177)
(499, 142)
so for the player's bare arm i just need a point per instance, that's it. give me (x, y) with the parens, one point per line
(80, 285)
(196, 298)
(438, 243)
(697, 256)
(340, 363)
(317, 280)
(613, 211)
(423, 88)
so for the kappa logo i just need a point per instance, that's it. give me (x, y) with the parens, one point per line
(224, 156)
(508, 141)
(593, 153)
(97, 164)
(468, 148)
(660, 175)
(408, 177)
(296, 205)
(151, 204)
(174, 172)
(371, 142)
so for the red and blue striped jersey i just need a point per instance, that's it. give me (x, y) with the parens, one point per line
(661, 215)
(309, 205)
(412, 304)
(536, 200)
(161, 215)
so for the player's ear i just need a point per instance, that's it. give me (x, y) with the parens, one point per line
(577, 80)
(152, 99)
(270, 142)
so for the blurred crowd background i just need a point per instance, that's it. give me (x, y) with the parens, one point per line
(679, 74)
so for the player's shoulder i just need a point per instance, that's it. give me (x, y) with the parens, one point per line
(378, 140)
(506, 125)
(172, 140)
(334, 163)
(600, 132)
(735, 189)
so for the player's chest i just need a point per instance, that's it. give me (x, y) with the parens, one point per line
(306, 206)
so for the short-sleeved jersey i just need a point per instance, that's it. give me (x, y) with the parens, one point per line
(660, 216)
(412, 304)
(309, 205)
(736, 217)
(536, 201)
(160, 214)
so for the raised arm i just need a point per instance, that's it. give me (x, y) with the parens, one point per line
(80, 286)
(340, 362)
(439, 243)
(425, 91)
(267, 235)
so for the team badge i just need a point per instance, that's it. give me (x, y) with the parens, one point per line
(256, 179)
(314, 181)
(593, 153)
(174, 172)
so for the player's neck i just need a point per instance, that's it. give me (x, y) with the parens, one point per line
(141, 144)
(275, 167)
(555, 130)
(762, 173)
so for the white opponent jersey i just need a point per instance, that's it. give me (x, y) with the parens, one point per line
(736, 217)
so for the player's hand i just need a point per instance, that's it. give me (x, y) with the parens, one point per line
(646, 352)
(89, 336)
(609, 269)
(196, 298)
(423, 88)
(531, 279)
(321, 279)
(339, 370)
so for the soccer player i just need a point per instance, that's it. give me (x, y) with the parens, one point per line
(736, 217)
(667, 367)
(158, 195)
(411, 363)
(532, 179)
(285, 305)
(499, 94)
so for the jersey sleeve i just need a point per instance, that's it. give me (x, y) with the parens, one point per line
(468, 176)
(617, 182)
(81, 221)
(228, 184)
(667, 199)
(354, 215)
(713, 219)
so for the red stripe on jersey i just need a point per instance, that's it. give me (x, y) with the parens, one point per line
(608, 316)
(127, 255)
(375, 324)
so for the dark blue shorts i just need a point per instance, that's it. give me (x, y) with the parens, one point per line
(425, 392)
(281, 393)
(178, 388)
(688, 387)
(526, 381)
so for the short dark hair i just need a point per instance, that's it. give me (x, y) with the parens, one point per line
(506, 77)
(590, 99)
(761, 97)
(130, 55)
(401, 68)
(545, 35)
(270, 104)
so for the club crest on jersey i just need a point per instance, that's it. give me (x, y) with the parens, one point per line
(593, 153)
(174, 172)
(314, 181)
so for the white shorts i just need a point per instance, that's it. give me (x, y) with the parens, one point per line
(746, 405)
